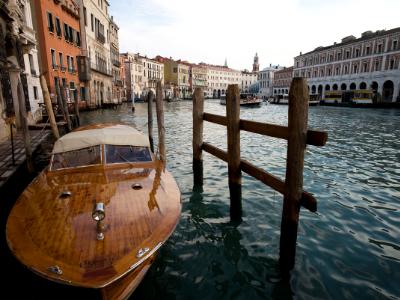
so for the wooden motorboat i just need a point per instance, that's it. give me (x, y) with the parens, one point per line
(98, 214)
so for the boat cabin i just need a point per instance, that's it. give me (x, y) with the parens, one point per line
(112, 145)
(362, 97)
(333, 97)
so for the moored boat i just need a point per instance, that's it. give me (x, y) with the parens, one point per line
(99, 213)
(246, 99)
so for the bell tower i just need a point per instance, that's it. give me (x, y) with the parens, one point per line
(256, 65)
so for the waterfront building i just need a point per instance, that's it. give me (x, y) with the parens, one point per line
(218, 79)
(59, 39)
(96, 25)
(115, 62)
(153, 71)
(247, 80)
(282, 81)
(266, 79)
(198, 78)
(176, 77)
(129, 68)
(371, 61)
(18, 63)
(122, 74)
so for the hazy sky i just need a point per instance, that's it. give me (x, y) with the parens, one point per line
(212, 30)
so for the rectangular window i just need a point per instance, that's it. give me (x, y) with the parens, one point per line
(58, 27)
(72, 64)
(66, 32)
(91, 22)
(50, 24)
(78, 39)
(35, 92)
(69, 63)
(61, 59)
(31, 64)
(85, 15)
(394, 47)
(71, 34)
(53, 58)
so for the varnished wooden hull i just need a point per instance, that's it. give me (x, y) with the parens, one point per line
(44, 230)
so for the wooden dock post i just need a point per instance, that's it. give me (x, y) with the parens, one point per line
(160, 121)
(62, 102)
(76, 108)
(150, 98)
(198, 110)
(233, 127)
(24, 127)
(297, 138)
(49, 107)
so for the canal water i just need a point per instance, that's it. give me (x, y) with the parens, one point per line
(349, 249)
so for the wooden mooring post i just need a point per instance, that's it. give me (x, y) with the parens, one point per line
(49, 107)
(150, 99)
(198, 110)
(234, 171)
(160, 122)
(24, 127)
(297, 135)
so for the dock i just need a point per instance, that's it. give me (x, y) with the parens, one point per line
(7, 167)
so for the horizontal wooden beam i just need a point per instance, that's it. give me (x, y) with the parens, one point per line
(221, 154)
(217, 119)
(314, 138)
(307, 201)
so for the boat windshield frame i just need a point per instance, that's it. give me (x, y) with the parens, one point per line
(102, 161)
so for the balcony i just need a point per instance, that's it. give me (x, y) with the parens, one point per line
(116, 63)
(100, 37)
(83, 68)
(101, 69)
(118, 82)
(55, 66)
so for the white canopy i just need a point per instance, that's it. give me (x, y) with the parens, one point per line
(112, 135)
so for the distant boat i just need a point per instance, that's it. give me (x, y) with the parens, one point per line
(97, 216)
(246, 99)
(314, 99)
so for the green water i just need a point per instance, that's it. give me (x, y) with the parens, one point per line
(350, 249)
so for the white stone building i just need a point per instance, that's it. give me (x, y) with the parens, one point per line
(369, 62)
(247, 80)
(218, 79)
(265, 80)
(98, 46)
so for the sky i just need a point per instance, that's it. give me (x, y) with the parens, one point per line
(214, 30)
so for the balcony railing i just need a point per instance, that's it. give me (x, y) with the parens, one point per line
(116, 63)
(83, 68)
(118, 82)
(55, 66)
(62, 68)
(100, 37)
(101, 68)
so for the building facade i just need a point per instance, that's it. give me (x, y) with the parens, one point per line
(176, 77)
(218, 79)
(247, 80)
(198, 77)
(18, 65)
(282, 81)
(57, 27)
(266, 80)
(96, 23)
(122, 73)
(369, 62)
(115, 62)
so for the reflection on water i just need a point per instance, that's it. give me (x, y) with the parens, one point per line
(349, 249)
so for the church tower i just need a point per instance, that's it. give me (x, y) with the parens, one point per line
(226, 63)
(256, 65)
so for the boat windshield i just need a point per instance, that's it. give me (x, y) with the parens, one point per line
(123, 154)
(77, 158)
